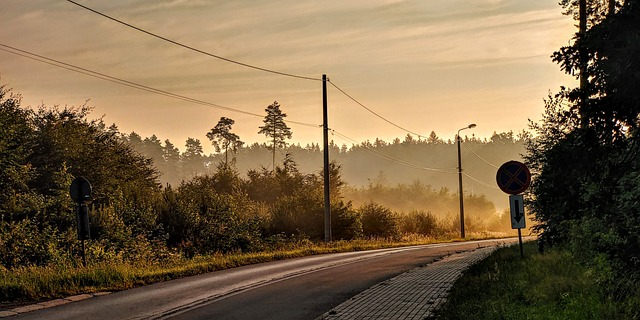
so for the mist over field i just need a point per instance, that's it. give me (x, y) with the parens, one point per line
(403, 174)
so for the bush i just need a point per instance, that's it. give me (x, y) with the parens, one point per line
(199, 220)
(24, 243)
(418, 221)
(378, 221)
(298, 215)
(346, 224)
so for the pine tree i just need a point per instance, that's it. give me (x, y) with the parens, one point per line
(222, 138)
(275, 128)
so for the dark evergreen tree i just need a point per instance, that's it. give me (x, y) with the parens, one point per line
(275, 128)
(193, 157)
(223, 139)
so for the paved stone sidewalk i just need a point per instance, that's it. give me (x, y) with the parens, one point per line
(412, 295)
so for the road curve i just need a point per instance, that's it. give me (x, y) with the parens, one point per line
(301, 288)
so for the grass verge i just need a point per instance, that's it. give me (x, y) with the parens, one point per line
(541, 286)
(40, 283)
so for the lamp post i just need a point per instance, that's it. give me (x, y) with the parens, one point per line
(458, 139)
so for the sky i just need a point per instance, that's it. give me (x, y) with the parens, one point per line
(431, 65)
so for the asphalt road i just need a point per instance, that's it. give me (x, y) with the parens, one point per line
(302, 288)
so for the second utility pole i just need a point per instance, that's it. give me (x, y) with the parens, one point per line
(325, 127)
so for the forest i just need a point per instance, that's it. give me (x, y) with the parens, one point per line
(430, 161)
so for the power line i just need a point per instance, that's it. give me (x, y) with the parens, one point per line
(393, 159)
(479, 157)
(480, 182)
(192, 48)
(102, 76)
(373, 112)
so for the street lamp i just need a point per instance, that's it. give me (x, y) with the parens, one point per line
(458, 139)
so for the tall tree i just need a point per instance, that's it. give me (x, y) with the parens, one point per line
(171, 169)
(433, 138)
(275, 128)
(193, 157)
(222, 138)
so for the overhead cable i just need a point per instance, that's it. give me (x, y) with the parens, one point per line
(373, 112)
(95, 74)
(393, 159)
(192, 48)
(479, 157)
(484, 184)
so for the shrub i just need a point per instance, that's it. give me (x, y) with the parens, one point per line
(298, 215)
(378, 221)
(418, 221)
(346, 224)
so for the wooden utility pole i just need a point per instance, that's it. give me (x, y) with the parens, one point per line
(325, 127)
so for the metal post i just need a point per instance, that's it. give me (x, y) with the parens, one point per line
(520, 239)
(473, 125)
(325, 127)
(460, 188)
(84, 254)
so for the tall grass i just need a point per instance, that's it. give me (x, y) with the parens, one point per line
(540, 286)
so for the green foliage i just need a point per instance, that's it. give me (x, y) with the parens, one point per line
(421, 222)
(346, 223)
(199, 219)
(298, 215)
(17, 200)
(585, 159)
(549, 286)
(26, 243)
(223, 139)
(378, 221)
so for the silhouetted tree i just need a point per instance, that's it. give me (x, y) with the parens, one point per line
(275, 128)
(192, 157)
(222, 138)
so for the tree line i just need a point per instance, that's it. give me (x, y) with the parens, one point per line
(362, 164)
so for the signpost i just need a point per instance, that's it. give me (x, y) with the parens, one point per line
(513, 178)
(80, 191)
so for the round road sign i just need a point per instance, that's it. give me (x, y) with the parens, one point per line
(80, 190)
(513, 177)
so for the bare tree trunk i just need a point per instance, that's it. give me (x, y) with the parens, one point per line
(583, 64)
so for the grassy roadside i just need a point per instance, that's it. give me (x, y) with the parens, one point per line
(38, 283)
(548, 286)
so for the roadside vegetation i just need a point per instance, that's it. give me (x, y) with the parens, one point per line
(553, 285)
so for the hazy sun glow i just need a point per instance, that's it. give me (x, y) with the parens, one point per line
(425, 65)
